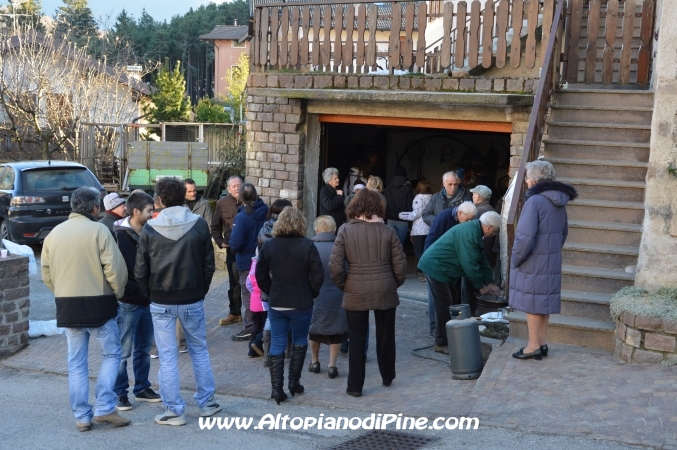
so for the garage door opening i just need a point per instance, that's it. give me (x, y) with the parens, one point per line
(480, 157)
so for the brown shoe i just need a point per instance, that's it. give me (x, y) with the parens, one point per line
(82, 426)
(230, 320)
(113, 418)
(442, 349)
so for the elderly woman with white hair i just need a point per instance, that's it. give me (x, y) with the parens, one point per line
(536, 261)
(458, 253)
(331, 199)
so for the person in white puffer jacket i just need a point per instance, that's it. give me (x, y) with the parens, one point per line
(419, 229)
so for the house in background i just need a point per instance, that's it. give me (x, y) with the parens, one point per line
(230, 41)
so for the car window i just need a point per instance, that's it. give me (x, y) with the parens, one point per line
(59, 179)
(7, 178)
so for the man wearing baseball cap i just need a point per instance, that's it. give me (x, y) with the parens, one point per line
(116, 210)
(480, 197)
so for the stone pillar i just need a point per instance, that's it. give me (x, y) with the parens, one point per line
(275, 148)
(14, 303)
(657, 263)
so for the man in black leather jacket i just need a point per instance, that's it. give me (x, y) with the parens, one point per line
(174, 268)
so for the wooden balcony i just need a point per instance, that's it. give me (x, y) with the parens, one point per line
(362, 37)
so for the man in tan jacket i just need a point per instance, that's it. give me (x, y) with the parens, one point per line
(83, 267)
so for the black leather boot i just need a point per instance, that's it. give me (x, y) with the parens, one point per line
(277, 378)
(298, 357)
(266, 348)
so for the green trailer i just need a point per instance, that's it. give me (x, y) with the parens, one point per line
(149, 161)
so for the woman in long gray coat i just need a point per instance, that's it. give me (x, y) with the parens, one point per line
(328, 325)
(536, 263)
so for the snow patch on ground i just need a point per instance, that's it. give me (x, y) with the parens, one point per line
(37, 328)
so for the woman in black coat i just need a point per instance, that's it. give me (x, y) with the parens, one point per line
(290, 273)
(331, 199)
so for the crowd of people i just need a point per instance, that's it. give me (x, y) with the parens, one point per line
(144, 269)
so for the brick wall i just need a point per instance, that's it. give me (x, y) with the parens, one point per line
(645, 340)
(275, 148)
(14, 303)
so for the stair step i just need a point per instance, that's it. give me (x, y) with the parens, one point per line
(616, 257)
(606, 210)
(588, 188)
(595, 279)
(586, 305)
(568, 330)
(599, 150)
(604, 97)
(600, 131)
(599, 114)
(599, 168)
(604, 233)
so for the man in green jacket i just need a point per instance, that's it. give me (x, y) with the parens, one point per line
(458, 253)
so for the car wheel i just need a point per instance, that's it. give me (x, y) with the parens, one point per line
(4, 232)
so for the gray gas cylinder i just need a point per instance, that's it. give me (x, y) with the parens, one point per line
(465, 351)
(460, 312)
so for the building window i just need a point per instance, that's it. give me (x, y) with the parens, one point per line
(236, 44)
(8, 143)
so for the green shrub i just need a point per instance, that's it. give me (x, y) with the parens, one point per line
(660, 304)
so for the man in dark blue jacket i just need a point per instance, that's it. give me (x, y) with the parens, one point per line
(134, 319)
(243, 241)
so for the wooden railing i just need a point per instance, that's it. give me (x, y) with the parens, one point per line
(547, 83)
(362, 36)
(619, 49)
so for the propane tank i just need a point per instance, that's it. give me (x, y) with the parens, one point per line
(465, 351)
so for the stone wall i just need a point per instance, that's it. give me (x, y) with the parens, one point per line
(275, 147)
(645, 340)
(657, 263)
(14, 304)
(459, 83)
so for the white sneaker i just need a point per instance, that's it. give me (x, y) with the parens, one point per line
(169, 418)
(210, 408)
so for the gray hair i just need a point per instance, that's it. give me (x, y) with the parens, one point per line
(451, 173)
(540, 170)
(233, 178)
(328, 173)
(324, 223)
(492, 219)
(84, 199)
(468, 208)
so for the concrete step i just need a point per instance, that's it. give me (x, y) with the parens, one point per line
(604, 233)
(601, 150)
(594, 279)
(594, 189)
(568, 330)
(586, 305)
(599, 114)
(604, 97)
(600, 168)
(599, 131)
(606, 211)
(614, 257)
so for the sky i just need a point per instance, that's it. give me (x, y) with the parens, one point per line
(158, 9)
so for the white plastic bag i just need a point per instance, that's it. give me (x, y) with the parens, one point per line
(22, 250)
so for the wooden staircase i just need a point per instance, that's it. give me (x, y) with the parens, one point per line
(598, 141)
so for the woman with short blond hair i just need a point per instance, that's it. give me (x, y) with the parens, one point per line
(290, 273)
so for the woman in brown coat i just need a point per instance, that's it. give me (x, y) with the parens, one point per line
(368, 265)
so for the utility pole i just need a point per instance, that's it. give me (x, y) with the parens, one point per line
(15, 5)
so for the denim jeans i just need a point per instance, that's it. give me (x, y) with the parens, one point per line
(280, 321)
(108, 338)
(192, 317)
(401, 227)
(246, 298)
(136, 330)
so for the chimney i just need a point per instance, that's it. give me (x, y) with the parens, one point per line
(235, 22)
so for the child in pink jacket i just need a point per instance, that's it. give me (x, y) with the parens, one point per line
(259, 311)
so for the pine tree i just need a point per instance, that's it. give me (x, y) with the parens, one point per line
(169, 103)
(75, 17)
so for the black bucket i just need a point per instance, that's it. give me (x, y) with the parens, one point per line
(490, 303)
